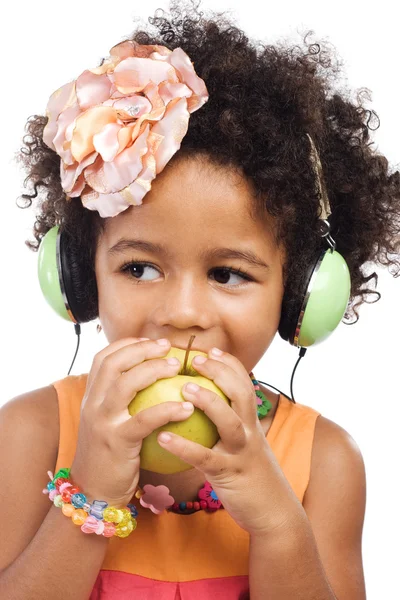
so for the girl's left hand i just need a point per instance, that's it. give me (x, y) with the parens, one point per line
(241, 467)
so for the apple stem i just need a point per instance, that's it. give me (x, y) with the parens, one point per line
(187, 352)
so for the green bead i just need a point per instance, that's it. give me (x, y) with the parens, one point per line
(62, 473)
(58, 501)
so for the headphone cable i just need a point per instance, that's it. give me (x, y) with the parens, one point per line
(291, 398)
(78, 333)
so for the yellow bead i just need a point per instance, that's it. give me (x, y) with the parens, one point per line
(67, 509)
(79, 516)
(126, 516)
(112, 515)
(123, 531)
(139, 493)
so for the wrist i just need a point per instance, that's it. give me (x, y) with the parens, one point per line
(96, 517)
(94, 489)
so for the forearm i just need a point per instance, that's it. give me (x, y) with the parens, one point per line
(60, 562)
(286, 565)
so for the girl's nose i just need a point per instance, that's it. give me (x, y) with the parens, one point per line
(184, 304)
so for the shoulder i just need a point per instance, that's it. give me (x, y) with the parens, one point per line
(337, 475)
(33, 413)
(333, 446)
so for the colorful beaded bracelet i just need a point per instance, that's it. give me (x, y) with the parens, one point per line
(96, 517)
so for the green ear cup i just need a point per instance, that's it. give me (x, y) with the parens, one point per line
(326, 300)
(48, 273)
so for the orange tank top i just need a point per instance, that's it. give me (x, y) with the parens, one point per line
(186, 557)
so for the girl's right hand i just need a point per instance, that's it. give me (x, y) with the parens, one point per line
(106, 464)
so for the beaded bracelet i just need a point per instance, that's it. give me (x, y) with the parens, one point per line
(96, 517)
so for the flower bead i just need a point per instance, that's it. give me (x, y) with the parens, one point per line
(156, 498)
(207, 494)
(263, 404)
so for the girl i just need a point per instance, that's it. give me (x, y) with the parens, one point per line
(184, 176)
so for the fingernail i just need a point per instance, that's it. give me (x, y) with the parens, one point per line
(199, 360)
(173, 361)
(163, 342)
(164, 437)
(187, 405)
(191, 387)
(216, 352)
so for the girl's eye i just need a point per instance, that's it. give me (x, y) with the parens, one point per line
(136, 269)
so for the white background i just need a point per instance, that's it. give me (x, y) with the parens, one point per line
(352, 378)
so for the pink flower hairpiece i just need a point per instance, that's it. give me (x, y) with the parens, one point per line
(116, 126)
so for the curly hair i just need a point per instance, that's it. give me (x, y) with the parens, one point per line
(263, 101)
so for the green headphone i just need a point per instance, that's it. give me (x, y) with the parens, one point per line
(323, 300)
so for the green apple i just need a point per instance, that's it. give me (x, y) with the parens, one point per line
(198, 427)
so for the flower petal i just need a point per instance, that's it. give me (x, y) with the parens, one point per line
(87, 125)
(60, 100)
(106, 141)
(131, 107)
(168, 91)
(92, 89)
(110, 177)
(173, 128)
(182, 63)
(70, 174)
(133, 74)
(66, 122)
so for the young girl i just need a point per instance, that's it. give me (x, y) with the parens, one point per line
(196, 180)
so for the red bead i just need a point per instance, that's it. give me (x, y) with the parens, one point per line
(59, 482)
(196, 505)
(175, 506)
(203, 504)
(74, 490)
(189, 505)
(66, 495)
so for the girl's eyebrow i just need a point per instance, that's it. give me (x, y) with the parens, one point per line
(227, 253)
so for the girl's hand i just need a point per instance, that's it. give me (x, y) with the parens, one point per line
(106, 463)
(241, 467)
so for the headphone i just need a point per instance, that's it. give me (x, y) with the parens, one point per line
(322, 300)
